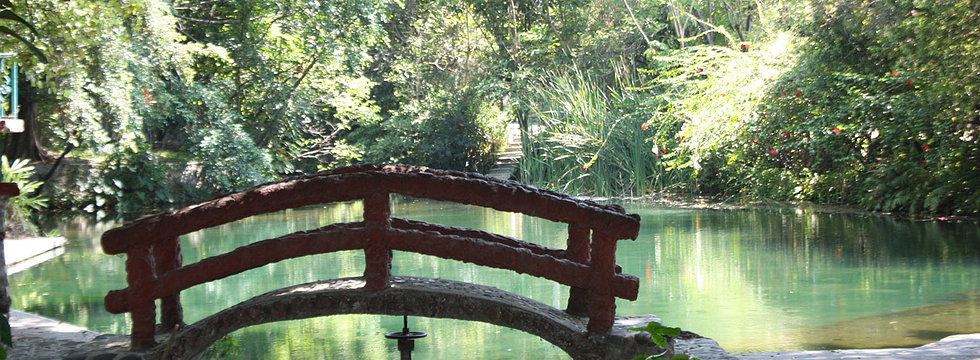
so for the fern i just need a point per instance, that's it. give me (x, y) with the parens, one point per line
(20, 207)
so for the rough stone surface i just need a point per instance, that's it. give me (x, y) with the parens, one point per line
(956, 347)
(623, 343)
(39, 338)
(415, 297)
(700, 347)
(4, 282)
(404, 296)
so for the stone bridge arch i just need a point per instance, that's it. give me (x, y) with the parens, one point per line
(155, 270)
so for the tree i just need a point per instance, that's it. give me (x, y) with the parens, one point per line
(25, 145)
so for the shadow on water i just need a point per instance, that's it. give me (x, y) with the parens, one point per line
(909, 328)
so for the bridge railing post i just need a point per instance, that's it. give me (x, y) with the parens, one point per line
(602, 302)
(139, 275)
(167, 257)
(377, 219)
(577, 250)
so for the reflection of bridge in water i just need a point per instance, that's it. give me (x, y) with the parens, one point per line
(586, 329)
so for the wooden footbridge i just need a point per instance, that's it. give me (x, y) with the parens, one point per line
(586, 329)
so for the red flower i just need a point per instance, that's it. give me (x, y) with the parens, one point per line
(926, 148)
(836, 131)
(700, 69)
(923, 163)
(755, 142)
(722, 94)
(644, 127)
(894, 72)
(771, 151)
(585, 166)
(786, 133)
(798, 94)
(664, 150)
(746, 46)
(784, 93)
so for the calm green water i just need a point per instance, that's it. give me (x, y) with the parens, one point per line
(755, 280)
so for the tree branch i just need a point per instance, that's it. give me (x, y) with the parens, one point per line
(203, 21)
(637, 23)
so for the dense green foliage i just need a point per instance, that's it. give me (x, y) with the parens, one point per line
(860, 102)
(888, 112)
(6, 338)
(19, 208)
(867, 103)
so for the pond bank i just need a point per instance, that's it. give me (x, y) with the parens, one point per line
(682, 201)
(956, 347)
(40, 338)
(645, 258)
(21, 254)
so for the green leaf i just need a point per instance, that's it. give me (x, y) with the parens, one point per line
(37, 52)
(658, 331)
(656, 328)
(5, 331)
(10, 15)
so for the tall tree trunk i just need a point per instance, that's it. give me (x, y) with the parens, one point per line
(26, 145)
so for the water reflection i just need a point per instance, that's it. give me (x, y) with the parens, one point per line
(761, 280)
(755, 280)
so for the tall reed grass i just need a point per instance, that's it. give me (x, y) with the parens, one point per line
(593, 137)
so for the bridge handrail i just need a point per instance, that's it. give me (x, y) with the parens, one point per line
(358, 183)
(155, 270)
(537, 261)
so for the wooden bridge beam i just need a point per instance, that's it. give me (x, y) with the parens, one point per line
(167, 258)
(139, 275)
(577, 250)
(602, 302)
(377, 254)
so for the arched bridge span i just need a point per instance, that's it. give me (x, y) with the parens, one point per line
(155, 270)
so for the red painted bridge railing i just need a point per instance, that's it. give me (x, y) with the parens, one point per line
(155, 271)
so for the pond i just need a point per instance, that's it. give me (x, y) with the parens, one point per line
(752, 279)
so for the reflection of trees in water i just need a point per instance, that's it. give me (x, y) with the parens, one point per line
(751, 279)
(856, 239)
(755, 280)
